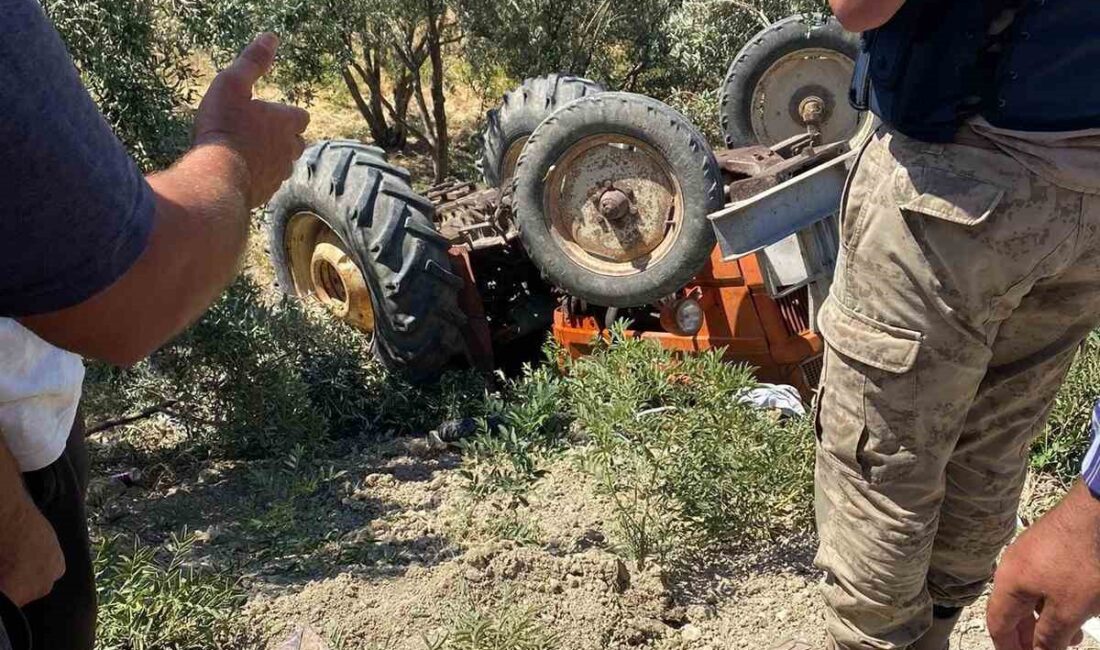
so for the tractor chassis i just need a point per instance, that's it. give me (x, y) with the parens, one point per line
(505, 299)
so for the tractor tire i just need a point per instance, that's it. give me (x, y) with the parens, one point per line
(825, 71)
(347, 228)
(624, 141)
(508, 127)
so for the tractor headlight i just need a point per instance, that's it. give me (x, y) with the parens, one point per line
(689, 316)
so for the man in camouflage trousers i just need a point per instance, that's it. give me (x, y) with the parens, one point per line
(969, 274)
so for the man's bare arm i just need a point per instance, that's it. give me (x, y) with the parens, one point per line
(861, 15)
(30, 556)
(243, 150)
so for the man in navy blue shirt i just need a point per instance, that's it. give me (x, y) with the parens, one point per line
(98, 260)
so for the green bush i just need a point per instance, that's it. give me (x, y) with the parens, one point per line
(135, 62)
(520, 429)
(258, 380)
(1065, 439)
(685, 463)
(151, 600)
(502, 627)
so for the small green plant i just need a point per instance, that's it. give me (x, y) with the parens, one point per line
(150, 599)
(1061, 446)
(684, 462)
(528, 423)
(501, 627)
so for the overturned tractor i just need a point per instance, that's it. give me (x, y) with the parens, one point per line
(596, 206)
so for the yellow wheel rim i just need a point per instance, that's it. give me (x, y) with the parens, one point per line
(322, 269)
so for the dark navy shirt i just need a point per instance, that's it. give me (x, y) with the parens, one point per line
(75, 210)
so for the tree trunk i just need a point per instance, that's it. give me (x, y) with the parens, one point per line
(377, 128)
(439, 100)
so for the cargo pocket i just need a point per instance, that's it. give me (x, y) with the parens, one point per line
(945, 195)
(866, 413)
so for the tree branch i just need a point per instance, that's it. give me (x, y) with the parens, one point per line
(145, 414)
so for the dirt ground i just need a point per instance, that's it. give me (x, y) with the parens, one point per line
(385, 548)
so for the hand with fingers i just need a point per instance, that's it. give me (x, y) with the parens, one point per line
(1048, 582)
(267, 136)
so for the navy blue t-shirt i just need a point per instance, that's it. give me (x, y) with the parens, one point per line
(75, 210)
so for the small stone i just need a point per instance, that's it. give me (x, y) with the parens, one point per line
(591, 538)
(690, 634)
(420, 448)
(208, 536)
(378, 480)
(209, 475)
(475, 575)
(479, 557)
(701, 612)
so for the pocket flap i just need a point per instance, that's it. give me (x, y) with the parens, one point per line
(886, 347)
(943, 194)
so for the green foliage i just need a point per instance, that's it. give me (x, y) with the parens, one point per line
(150, 599)
(527, 424)
(611, 40)
(1065, 439)
(258, 380)
(684, 462)
(675, 50)
(499, 628)
(134, 62)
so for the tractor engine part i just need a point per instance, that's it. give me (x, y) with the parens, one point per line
(792, 78)
(347, 230)
(611, 198)
(523, 109)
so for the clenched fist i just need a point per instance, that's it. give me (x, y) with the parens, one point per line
(266, 136)
(31, 560)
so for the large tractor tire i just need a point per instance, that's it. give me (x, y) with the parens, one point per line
(612, 194)
(348, 231)
(792, 73)
(522, 110)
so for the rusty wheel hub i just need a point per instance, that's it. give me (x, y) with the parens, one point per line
(321, 267)
(614, 205)
(806, 88)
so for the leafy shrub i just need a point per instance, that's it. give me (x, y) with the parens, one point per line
(526, 424)
(502, 627)
(150, 602)
(257, 380)
(1065, 439)
(685, 463)
(134, 60)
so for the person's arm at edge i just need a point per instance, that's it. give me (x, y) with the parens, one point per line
(1048, 581)
(198, 236)
(862, 15)
(244, 148)
(30, 556)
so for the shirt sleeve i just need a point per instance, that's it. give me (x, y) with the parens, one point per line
(1090, 467)
(75, 210)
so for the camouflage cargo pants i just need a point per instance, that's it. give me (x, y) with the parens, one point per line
(964, 286)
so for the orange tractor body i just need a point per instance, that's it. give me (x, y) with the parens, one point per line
(739, 317)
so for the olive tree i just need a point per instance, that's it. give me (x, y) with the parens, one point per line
(134, 61)
(379, 49)
(613, 41)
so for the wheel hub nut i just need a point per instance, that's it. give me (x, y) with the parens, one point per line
(614, 205)
(812, 109)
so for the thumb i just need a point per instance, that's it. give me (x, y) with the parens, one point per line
(252, 63)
